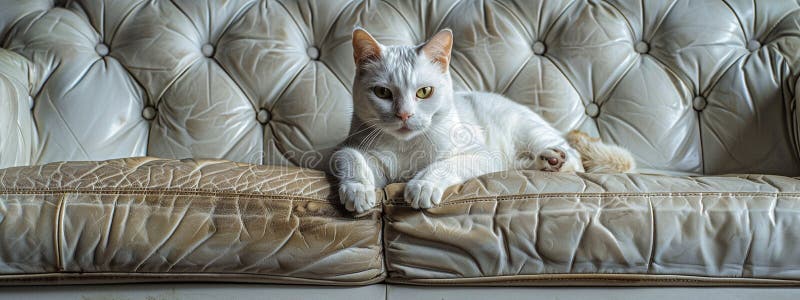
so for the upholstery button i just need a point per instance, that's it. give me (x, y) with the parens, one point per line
(101, 49)
(641, 47)
(699, 103)
(263, 116)
(753, 45)
(539, 48)
(149, 113)
(592, 110)
(208, 50)
(313, 52)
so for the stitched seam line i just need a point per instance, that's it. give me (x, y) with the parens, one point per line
(58, 228)
(157, 192)
(733, 281)
(401, 203)
(589, 277)
(169, 276)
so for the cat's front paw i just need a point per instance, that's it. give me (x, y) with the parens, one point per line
(423, 193)
(551, 160)
(357, 197)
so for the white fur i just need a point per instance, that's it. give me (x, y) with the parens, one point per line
(452, 137)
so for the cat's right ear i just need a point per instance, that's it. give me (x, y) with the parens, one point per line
(365, 47)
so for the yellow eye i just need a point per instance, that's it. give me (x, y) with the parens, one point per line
(425, 93)
(382, 92)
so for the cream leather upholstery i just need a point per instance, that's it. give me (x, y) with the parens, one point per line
(145, 219)
(141, 218)
(17, 130)
(528, 227)
(690, 86)
(702, 87)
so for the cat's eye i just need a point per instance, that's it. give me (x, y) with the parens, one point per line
(425, 92)
(382, 92)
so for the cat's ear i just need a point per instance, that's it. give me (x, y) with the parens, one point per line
(365, 47)
(438, 48)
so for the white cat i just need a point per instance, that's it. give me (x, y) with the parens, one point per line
(410, 126)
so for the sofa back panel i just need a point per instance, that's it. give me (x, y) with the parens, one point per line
(17, 128)
(689, 86)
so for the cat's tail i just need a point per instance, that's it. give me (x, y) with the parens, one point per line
(598, 157)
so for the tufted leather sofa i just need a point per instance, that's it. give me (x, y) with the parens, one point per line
(104, 105)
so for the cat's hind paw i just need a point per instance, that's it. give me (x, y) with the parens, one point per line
(423, 193)
(357, 197)
(551, 160)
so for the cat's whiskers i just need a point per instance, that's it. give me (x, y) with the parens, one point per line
(371, 137)
(365, 142)
(371, 124)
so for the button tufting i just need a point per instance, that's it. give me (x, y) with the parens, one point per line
(641, 47)
(149, 113)
(207, 50)
(101, 49)
(539, 48)
(699, 103)
(592, 110)
(753, 45)
(263, 116)
(313, 52)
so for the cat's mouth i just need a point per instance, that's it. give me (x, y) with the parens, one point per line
(405, 132)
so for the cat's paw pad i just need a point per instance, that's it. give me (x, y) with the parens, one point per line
(356, 196)
(551, 160)
(423, 193)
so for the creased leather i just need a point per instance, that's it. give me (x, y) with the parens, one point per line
(142, 215)
(515, 224)
(18, 139)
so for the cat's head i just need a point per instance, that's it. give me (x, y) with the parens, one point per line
(402, 90)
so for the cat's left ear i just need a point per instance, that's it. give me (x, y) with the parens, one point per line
(365, 47)
(438, 48)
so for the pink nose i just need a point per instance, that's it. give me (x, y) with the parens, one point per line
(404, 116)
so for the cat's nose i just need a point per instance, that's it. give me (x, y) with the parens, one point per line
(404, 116)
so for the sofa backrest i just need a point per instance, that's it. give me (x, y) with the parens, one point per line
(690, 86)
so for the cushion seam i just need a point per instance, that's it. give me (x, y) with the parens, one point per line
(155, 192)
(57, 236)
(533, 196)
(591, 277)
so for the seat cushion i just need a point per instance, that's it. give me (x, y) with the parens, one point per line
(143, 219)
(535, 228)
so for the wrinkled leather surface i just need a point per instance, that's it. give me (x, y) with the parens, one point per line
(17, 129)
(689, 86)
(199, 220)
(145, 219)
(505, 227)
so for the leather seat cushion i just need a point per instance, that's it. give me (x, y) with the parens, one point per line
(149, 219)
(526, 227)
(144, 219)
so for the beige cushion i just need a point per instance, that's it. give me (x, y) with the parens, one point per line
(528, 227)
(146, 219)
(703, 87)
